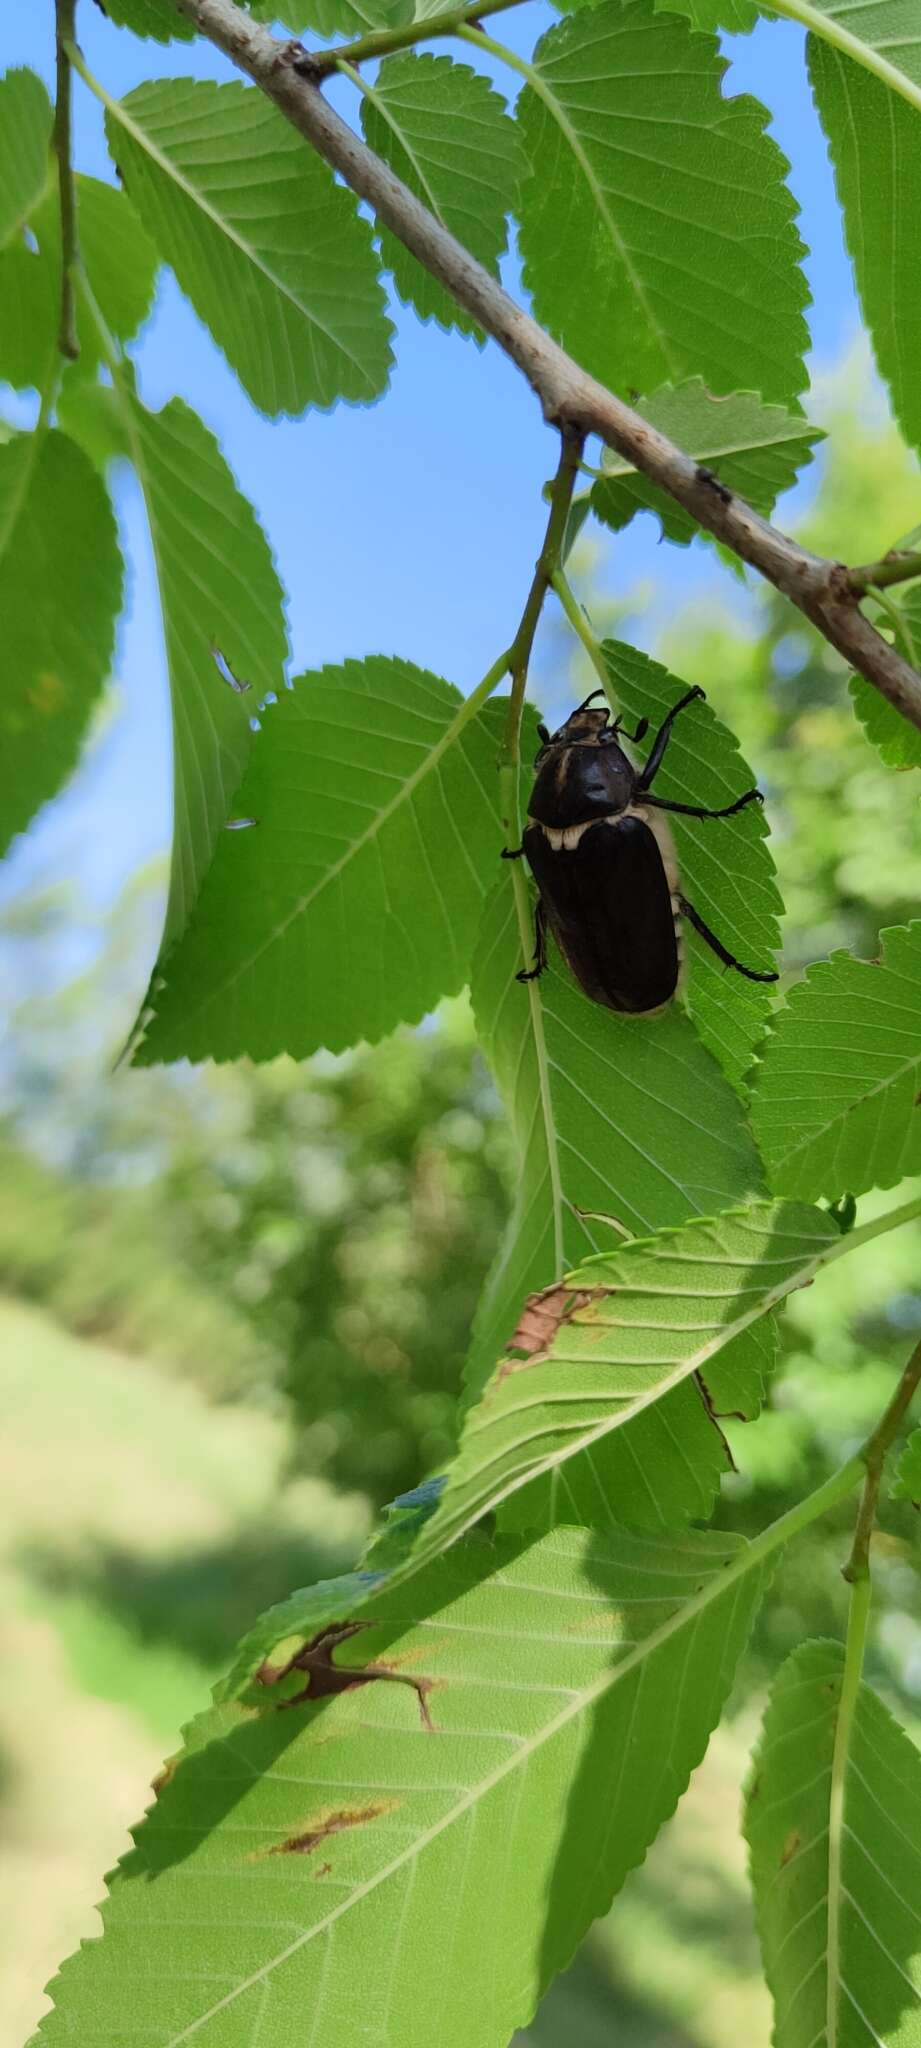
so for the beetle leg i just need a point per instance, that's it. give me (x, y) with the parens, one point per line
(716, 945)
(661, 803)
(540, 947)
(660, 742)
(512, 852)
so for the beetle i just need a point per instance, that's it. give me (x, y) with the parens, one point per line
(602, 856)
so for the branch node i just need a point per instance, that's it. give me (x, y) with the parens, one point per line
(292, 56)
(708, 477)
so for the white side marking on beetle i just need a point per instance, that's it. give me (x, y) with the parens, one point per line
(566, 838)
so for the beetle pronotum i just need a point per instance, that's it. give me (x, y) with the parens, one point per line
(602, 856)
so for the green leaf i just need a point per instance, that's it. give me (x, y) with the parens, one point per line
(445, 132)
(738, 1376)
(906, 1484)
(898, 743)
(837, 1887)
(159, 19)
(373, 791)
(756, 450)
(726, 867)
(881, 35)
(119, 256)
(737, 17)
(271, 251)
(623, 1332)
(428, 1850)
(219, 596)
(91, 414)
(657, 233)
(874, 140)
(120, 262)
(835, 1103)
(612, 1116)
(335, 17)
(25, 141)
(60, 594)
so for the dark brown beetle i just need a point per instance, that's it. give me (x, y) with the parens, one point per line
(602, 856)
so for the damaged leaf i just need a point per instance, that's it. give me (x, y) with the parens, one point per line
(578, 1680)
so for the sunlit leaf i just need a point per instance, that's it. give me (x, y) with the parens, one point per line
(429, 1848)
(874, 139)
(620, 1117)
(630, 1326)
(220, 599)
(754, 449)
(60, 593)
(445, 132)
(833, 1822)
(835, 1104)
(271, 251)
(656, 230)
(25, 140)
(375, 836)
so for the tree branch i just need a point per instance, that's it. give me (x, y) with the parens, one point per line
(900, 565)
(568, 395)
(68, 340)
(874, 1453)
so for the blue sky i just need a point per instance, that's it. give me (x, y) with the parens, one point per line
(406, 527)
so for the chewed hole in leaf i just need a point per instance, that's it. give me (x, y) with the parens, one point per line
(224, 669)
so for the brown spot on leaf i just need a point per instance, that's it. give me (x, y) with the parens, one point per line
(539, 1322)
(163, 1776)
(325, 1679)
(707, 1400)
(333, 1823)
(46, 692)
(790, 1847)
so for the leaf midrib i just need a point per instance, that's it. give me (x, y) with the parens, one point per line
(544, 92)
(842, 39)
(836, 1125)
(231, 234)
(745, 1560)
(467, 709)
(370, 93)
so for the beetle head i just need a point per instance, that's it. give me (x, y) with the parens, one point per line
(583, 728)
(581, 773)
